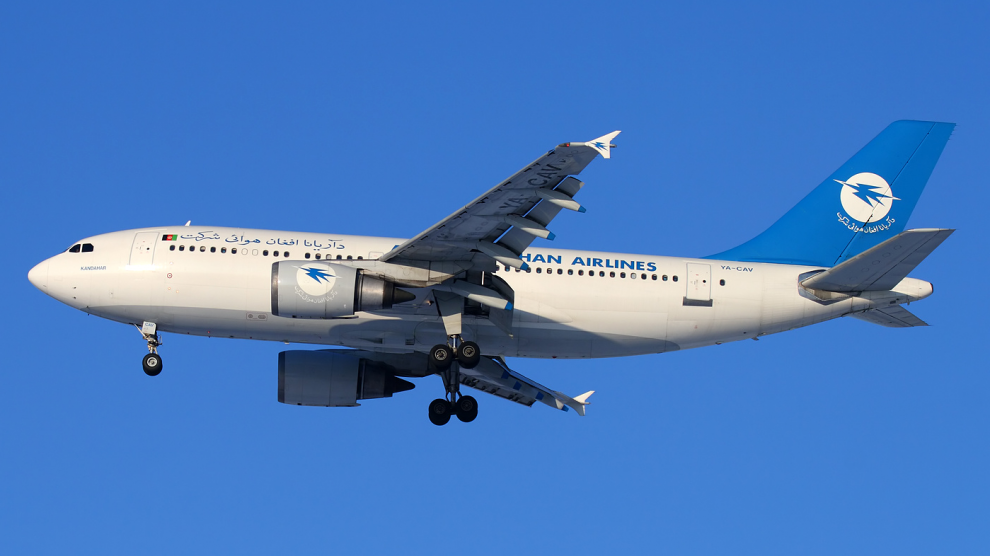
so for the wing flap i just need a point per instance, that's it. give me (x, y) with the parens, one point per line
(882, 267)
(517, 239)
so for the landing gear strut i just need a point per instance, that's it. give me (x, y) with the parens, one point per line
(449, 360)
(152, 363)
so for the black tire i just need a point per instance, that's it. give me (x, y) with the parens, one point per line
(441, 356)
(152, 364)
(440, 411)
(467, 409)
(469, 355)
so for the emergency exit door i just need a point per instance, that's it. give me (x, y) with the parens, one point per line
(699, 285)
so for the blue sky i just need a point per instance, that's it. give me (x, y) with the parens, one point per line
(380, 119)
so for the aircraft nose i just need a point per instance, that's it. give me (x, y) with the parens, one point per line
(39, 276)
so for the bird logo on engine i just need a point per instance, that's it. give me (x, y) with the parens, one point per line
(315, 280)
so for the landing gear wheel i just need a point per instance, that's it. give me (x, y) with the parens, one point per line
(440, 411)
(467, 409)
(441, 356)
(469, 355)
(152, 364)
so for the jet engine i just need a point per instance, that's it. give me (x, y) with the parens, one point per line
(322, 290)
(334, 378)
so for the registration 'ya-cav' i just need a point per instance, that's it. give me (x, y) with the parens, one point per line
(471, 290)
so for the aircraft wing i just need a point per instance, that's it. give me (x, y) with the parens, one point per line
(494, 377)
(503, 222)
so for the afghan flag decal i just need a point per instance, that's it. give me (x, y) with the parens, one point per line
(169, 237)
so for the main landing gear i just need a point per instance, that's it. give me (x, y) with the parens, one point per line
(449, 359)
(152, 362)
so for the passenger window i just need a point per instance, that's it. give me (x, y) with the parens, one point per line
(360, 258)
(223, 249)
(213, 249)
(233, 250)
(580, 273)
(643, 276)
(721, 282)
(275, 254)
(254, 252)
(570, 272)
(171, 248)
(339, 257)
(307, 255)
(285, 254)
(621, 275)
(87, 248)
(664, 278)
(507, 268)
(264, 253)
(675, 278)
(75, 248)
(611, 274)
(654, 277)
(560, 271)
(539, 270)
(601, 273)
(202, 249)
(182, 248)
(317, 256)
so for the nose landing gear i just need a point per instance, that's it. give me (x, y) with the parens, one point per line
(152, 363)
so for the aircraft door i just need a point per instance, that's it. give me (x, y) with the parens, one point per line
(699, 284)
(143, 249)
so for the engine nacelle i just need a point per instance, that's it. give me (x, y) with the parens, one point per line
(336, 378)
(322, 290)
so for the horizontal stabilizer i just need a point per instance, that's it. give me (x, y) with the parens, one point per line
(882, 267)
(893, 317)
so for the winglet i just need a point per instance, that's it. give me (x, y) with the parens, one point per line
(580, 401)
(604, 144)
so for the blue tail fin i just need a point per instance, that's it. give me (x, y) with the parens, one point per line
(866, 201)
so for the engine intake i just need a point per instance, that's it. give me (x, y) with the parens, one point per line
(321, 290)
(334, 379)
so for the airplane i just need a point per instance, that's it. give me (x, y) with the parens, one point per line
(463, 295)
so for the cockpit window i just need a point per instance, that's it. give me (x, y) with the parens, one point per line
(75, 248)
(87, 248)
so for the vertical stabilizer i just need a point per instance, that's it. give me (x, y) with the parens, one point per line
(866, 201)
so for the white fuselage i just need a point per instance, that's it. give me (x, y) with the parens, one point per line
(571, 304)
